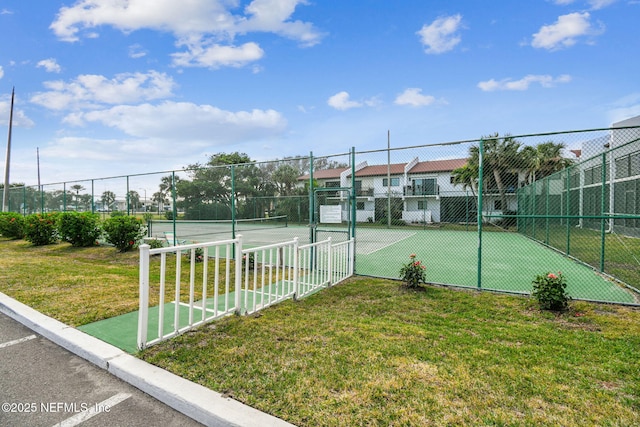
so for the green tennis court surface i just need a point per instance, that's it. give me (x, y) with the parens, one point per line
(510, 262)
(122, 331)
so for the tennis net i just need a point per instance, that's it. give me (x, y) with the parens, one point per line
(199, 230)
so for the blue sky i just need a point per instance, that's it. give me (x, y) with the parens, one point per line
(106, 87)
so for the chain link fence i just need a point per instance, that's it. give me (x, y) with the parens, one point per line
(490, 213)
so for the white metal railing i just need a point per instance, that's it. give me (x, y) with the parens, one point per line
(187, 315)
(265, 276)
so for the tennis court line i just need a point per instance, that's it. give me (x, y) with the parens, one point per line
(387, 245)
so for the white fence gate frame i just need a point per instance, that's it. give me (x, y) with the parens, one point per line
(265, 276)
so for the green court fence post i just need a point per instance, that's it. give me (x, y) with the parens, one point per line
(480, 206)
(568, 211)
(311, 200)
(93, 200)
(174, 208)
(128, 196)
(534, 211)
(546, 187)
(353, 192)
(233, 202)
(64, 196)
(602, 209)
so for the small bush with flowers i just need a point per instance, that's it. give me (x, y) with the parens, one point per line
(550, 290)
(124, 232)
(79, 228)
(413, 273)
(11, 225)
(41, 229)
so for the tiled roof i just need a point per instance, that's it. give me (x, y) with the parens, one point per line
(379, 170)
(438, 166)
(396, 169)
(324, 174)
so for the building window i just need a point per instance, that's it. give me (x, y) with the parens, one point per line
(452, 179)
(395, 182)
(424, 187)
(360, 206)
(422, 205)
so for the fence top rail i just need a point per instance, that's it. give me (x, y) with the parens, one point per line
(191, 246)
(316, 244)
(272, 246)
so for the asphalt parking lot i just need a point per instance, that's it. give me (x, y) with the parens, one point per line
(42, 384)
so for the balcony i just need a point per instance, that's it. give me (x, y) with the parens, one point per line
(421, 190)
(364, 192)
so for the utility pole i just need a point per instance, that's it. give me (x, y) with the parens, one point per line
(5, 195)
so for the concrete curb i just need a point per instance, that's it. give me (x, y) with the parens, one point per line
(195, 401)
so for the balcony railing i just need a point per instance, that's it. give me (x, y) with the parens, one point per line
(421, 191)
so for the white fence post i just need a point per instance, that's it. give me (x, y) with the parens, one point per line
(238, 272)
(329, 263)
(296, 266)
(143, 313)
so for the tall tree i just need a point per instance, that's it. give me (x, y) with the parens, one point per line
(107, 199)
(467, 176)
(502, 155)
(544, 159)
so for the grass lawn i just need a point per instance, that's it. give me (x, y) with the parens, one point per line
(367, 353)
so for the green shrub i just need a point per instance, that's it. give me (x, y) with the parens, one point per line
(40, 229)
(114, 214)
(550, 292)
(155, 243)
(124, 232)
(394, 221)
(79, 228)
(147, 216)
(11, 225)
(168, 215)
(413, 273)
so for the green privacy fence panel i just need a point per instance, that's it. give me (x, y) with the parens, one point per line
(563, 201)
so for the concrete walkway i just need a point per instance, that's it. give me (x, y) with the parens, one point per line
(197, 402)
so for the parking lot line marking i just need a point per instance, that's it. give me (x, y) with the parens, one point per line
(18, 341)
(104, 406)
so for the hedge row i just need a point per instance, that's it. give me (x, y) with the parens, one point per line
(78, 228)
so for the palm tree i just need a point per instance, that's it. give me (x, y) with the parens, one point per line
(501, 155)
(545, 159)
(159, 198)
(467, 176)
(134, 199)
(78, 188)
(107, 198)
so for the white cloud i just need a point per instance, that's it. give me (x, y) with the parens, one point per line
(90, 91)
(341, 101)
(216, 56)
(20, 119)
(625, 108)
(50, 65)
(442, 34)
(183, 121)
(523, 83)
(564, 32)
(414, 97)
(599, 4)
(204, 26)
(1, 72)
(594, 4)
(136, 51)
(6, 12)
